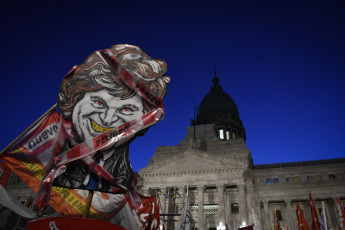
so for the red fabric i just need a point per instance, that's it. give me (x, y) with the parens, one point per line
(247, 228)
(341, 215)
(22, 159)
(276, 221)
(302, 223)
(5, 174)
(70, 223)
(148, 214)
(315, 225)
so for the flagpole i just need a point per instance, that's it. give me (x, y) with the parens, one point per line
(26, 130)
(88, 204)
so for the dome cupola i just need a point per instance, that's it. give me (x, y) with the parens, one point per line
(219, 108)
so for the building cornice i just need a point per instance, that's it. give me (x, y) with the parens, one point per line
(299, 163)
(191, 172)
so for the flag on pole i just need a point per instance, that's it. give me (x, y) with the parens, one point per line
(302, 223)
(5, 173)
(341, 214)
(323, 219)
(147, 216)
(185, 218)
(315, 225)
(276, 221)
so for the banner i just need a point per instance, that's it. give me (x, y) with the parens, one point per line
(315, 225)
(323, 218)
(341, 214)
(28, 159)
(276, 221)
(302, 223)
(5, 173)
(147, 216)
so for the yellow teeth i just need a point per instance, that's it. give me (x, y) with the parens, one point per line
(99, 128)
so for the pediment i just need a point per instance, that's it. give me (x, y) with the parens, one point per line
(191, 161)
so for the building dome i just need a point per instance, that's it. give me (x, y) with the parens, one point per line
(216, 102)
(219, 108)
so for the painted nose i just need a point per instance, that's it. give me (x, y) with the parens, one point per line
(109, 117)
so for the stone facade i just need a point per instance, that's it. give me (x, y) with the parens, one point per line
(224, 186)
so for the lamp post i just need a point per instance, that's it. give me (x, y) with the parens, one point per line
(221, 226)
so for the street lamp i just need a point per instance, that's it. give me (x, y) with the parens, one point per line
(221, 226)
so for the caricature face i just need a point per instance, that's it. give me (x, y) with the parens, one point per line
(100, 111)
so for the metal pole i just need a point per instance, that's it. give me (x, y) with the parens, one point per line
(88, 204)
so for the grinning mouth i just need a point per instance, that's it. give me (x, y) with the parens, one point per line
(99, 128)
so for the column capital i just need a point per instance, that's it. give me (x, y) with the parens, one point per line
(201, 187)
(220, 187)
(287, 202)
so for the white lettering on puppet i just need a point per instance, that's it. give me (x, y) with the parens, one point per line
(43, 137)
(53, 226)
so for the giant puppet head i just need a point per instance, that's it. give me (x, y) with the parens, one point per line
(109, 89)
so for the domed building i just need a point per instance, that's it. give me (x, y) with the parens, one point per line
(213, 169)
(217, 107)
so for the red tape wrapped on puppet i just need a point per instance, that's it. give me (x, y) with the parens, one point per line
(105, 104)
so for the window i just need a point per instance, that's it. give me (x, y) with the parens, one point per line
(331, 176)
(268, 181)
(276, 180)
(235, 208)
(318, 177)
(221, 134)
(293, 179)
(310, 178)
(211, 209)
(227, 135)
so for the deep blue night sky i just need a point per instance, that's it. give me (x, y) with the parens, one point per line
(283, 63)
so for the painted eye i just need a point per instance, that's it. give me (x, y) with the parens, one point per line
(98, 103)
(128, 109)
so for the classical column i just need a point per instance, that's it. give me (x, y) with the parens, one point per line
(201, 208)
(182, 193)
(266, 215)
(162, 197)
(334, 199)
(243, 203)
(290, 214)
(221, 204)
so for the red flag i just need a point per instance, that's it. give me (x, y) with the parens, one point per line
(302, 223)
(148, 216)
(5, 173)
(315, 225)
(276, 221)
(341, 214)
